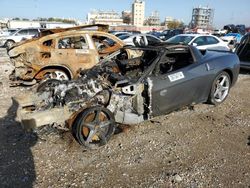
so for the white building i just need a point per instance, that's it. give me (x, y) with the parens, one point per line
(202, 17)
(22, 24)
(138, 13)
(153, 19)
(167, 20)
(104, 17)
(52, 25)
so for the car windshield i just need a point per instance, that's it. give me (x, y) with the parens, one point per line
(123, 37)
(12, 30)
(180, 39)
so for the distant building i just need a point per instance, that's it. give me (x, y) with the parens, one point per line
(3, 23)
(127, 17)
(202, 17)
(22, 24)
(104, 17)
(11, 24)
(52, 25)
(138, 13)
(167, 20)
(154, 19)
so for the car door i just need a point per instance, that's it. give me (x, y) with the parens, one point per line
(152, 40)
(243, 51)
(33, 32)
(175, 89)
(215, 44)
(73, 51)
(200, 43)
(21, 35)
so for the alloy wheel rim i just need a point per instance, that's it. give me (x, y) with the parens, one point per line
(221, 88)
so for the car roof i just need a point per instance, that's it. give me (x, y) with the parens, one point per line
(194, 35)
(98, 27)
(140, 34)
(75, 32)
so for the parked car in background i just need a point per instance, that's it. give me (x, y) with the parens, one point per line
(202, 42)
(166, 34)
(219, 32)
(7, 32)
(19, 35)
(243, 51)
(164, 79)
(64, 54)
(232, 39)
(119, 33)
(230, 28)
(156, 34)
(140, 39)
(241, 29)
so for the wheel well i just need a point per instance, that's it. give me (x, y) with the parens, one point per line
(9, 40)
(230, 74)
(64, 69)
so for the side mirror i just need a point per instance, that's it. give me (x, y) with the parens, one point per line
(195, 44)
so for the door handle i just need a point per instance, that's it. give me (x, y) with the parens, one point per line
(208, 67)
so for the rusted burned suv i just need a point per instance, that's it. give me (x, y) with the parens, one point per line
(62, 53)
(163, 79)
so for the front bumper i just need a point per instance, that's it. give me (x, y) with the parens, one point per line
(18, 77)
(31, 119)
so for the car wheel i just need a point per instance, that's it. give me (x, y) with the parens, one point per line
(47, 84)
(93, 127)
(220, 88)
(57, 75)
(9, 43)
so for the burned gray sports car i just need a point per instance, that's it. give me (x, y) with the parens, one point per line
(163, 79)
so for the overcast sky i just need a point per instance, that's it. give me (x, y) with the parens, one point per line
(226, 11)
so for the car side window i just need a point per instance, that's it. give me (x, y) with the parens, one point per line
(22, 32)
(175, 61)
(74, 42)
(33, 32)
(200, 41)
(103, 43)
(212, 40)
(152, 40)
(48, 43)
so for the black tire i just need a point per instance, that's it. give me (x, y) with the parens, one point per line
(219, 87)
(47, 84)
(90, 131)
(9, 44)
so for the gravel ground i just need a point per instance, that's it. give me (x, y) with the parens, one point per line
(202, 147)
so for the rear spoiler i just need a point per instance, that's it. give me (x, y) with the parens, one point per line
(97, 27)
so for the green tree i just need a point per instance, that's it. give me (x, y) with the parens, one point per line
(175, 24)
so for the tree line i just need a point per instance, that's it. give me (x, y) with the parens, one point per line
(47, 20)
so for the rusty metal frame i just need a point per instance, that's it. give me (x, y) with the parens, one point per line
(100, 27)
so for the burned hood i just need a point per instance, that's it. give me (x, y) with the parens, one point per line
(21, 47)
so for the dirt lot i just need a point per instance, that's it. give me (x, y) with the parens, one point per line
(204, 147)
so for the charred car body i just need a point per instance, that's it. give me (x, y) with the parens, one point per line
(163, 79)
(63, 53)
